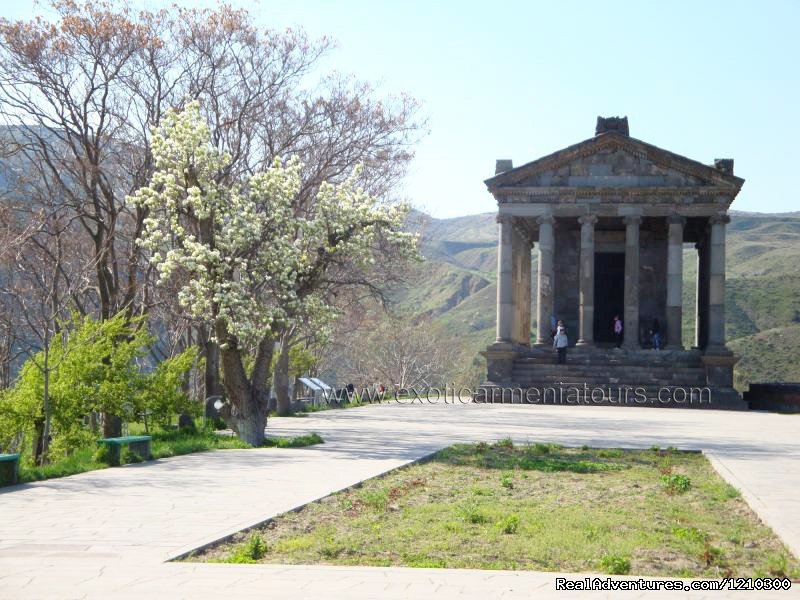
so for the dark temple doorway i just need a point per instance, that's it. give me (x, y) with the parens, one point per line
(609, 293)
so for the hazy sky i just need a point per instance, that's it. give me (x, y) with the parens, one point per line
(522, 79)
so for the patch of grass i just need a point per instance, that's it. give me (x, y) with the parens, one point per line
(165, 444)
(376, 499)
(176, 442)
(569, 510)
(80, 461)
(300, 441)
(691, 534)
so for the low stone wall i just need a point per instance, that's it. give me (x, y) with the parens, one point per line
(780, 397)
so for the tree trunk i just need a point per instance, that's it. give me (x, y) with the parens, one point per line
(112, 425)
(213, 386)
(43, 459)
(246, 411)
(281, 380)
(37, 445)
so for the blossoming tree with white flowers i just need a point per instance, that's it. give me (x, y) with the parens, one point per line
(249, 260)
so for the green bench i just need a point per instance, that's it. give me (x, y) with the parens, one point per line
(9, 469)
(136, 443)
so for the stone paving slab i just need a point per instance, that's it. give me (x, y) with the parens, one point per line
(111, 531)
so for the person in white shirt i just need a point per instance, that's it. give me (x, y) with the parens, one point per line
(560, 343)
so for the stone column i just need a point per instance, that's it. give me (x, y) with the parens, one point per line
(716, 284)
(505, 264)
(586, 281)
(675, 283)
(631, 321)
(526, 292)
(521, 285)
(718, 360)
(701, 296)
(545, 281)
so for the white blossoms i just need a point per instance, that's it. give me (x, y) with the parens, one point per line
(246, 254)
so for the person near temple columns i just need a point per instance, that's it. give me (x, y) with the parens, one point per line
(618, 330)
(655, 332)
(560, 343)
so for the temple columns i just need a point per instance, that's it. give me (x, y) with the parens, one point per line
(675, 283)
(505, 283)
(716, 283)
(631, 319)
(718, 360)
(545, 281)
(701, 295)
(521, 297)
(586, 281)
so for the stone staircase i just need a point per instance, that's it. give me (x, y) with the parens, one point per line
(614, 377)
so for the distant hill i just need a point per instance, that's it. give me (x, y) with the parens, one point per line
(456, 287)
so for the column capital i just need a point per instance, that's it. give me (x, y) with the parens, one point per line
(523, 231)
(722, 219)
(587, 219)
(546, 220)
(632, 220)
(676, 220)
(504, 219)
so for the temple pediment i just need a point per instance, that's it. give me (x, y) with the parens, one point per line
(615, 160)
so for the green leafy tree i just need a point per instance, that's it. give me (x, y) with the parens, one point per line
(99, 368)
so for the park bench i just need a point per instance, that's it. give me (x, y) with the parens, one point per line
(9, 469)
(136, 443)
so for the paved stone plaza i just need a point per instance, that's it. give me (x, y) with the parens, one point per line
(108, 533)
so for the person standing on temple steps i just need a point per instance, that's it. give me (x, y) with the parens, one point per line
(560, 343)
(618, 330)
(656, 334)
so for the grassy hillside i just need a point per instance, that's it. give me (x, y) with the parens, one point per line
(456, 286)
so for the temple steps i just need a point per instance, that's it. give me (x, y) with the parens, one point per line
(642, 395)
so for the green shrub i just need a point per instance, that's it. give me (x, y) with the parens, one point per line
(676, 483)
(253, 550)
(509, 524)
(507, 479)
(471, 513)
(541, 448)
(615, 564)
(506, 442)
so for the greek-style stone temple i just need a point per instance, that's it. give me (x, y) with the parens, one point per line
(608, 220)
